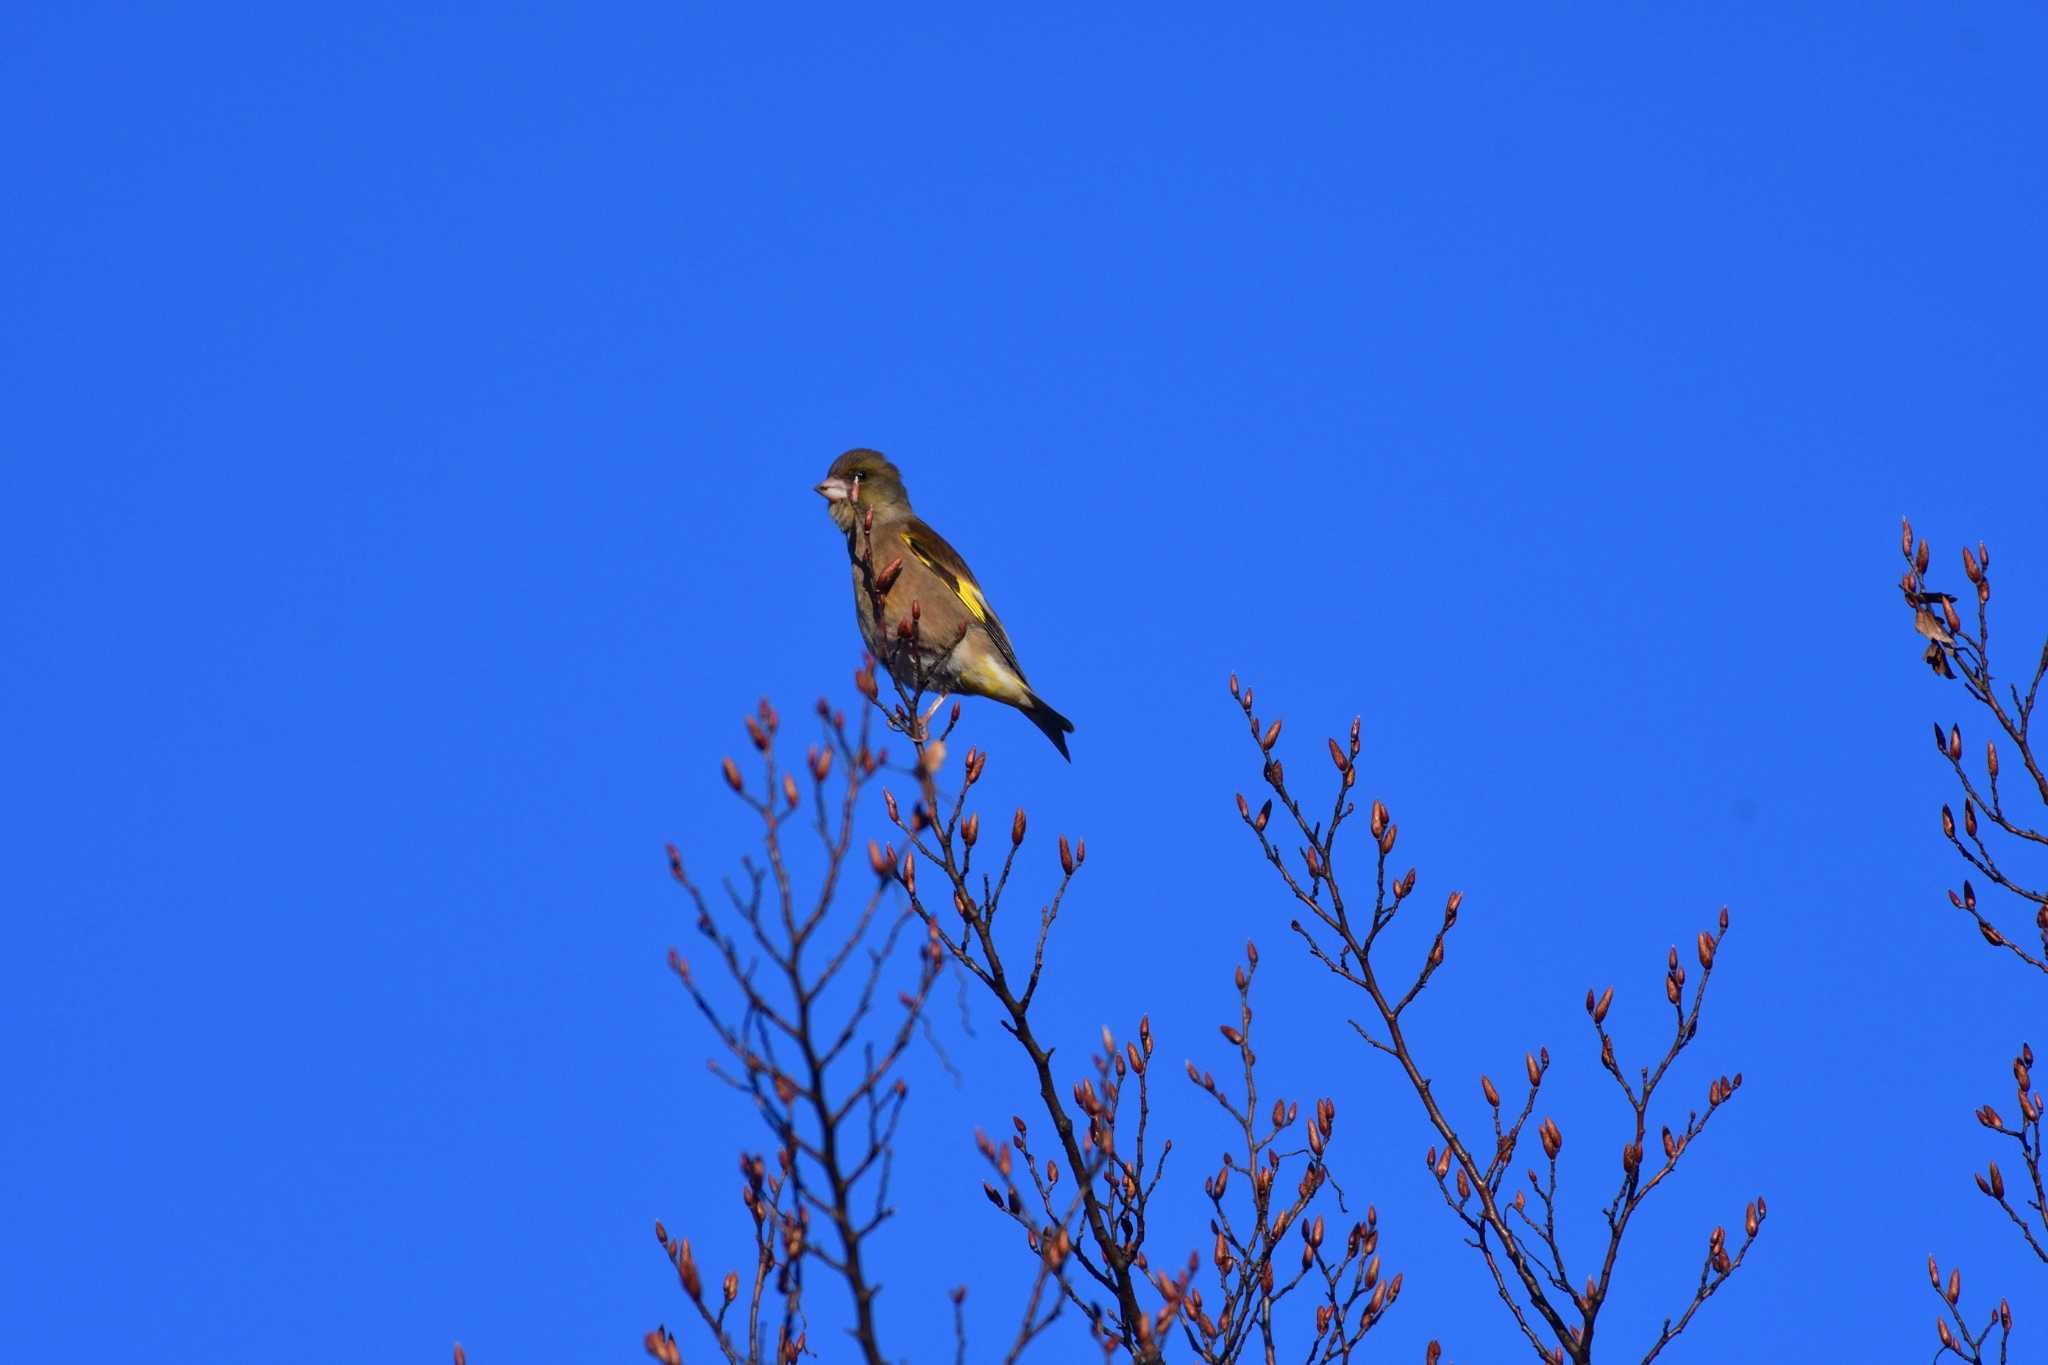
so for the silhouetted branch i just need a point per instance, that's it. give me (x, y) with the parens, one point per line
(1955, 650)
(1990, 833)
(1953, 1333)
(834, 1118)
(946, 839)
(1249, 1250)
(1088, 1235)
(1523, 1254)
(2027, 1136)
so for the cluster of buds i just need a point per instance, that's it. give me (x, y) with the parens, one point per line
(1674, 978)
(1267, 736)
(1404, 885)
(1948, 820)
(1364, 1240)
(755, 1191)
(685, 1262)
(1345, 759)
(1225, 1259)
(1258, 821)
(1154, 1327)
(2030, 1102)
(761, 726)
(1008, 1203)
(975, 763)
(795, 1230)
(1210, 1328)
(1951, 1294)
(1974, 567)
(996, 1155)
(1053, 1244)
(1319, 1125)
(1949, 743)
(1311, 1240)
(1717, 1252)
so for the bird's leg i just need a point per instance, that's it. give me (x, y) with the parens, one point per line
(932, 710)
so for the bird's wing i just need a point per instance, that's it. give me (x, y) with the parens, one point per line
(935, 554)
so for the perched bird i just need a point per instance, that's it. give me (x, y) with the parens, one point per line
(921, 612)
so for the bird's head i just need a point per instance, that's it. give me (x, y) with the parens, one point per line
(861, 480)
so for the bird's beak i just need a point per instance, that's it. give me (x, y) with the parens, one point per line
(834, 490)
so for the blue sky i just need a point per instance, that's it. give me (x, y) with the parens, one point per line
(412, 416)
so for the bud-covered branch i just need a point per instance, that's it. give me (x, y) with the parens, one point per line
(1082, 1196)
(1556, 1312)
(1251, 1260)
(2000, 828)
(1953, 1333)
(1995, 824)
(827, 1088)
(2026, 1204)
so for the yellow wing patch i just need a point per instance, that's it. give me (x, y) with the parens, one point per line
(944, 561)
(976, 603)
(963, 587)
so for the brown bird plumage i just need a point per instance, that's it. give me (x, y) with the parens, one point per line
(959, 644)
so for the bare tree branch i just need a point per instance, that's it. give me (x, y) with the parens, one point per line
(1524, 1257)
(835, 1127)
(1992, 832)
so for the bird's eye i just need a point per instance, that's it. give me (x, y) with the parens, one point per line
(859, 474)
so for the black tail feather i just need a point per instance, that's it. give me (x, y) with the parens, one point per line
(1056, 726)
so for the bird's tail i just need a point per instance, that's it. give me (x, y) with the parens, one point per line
(1056, 726)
